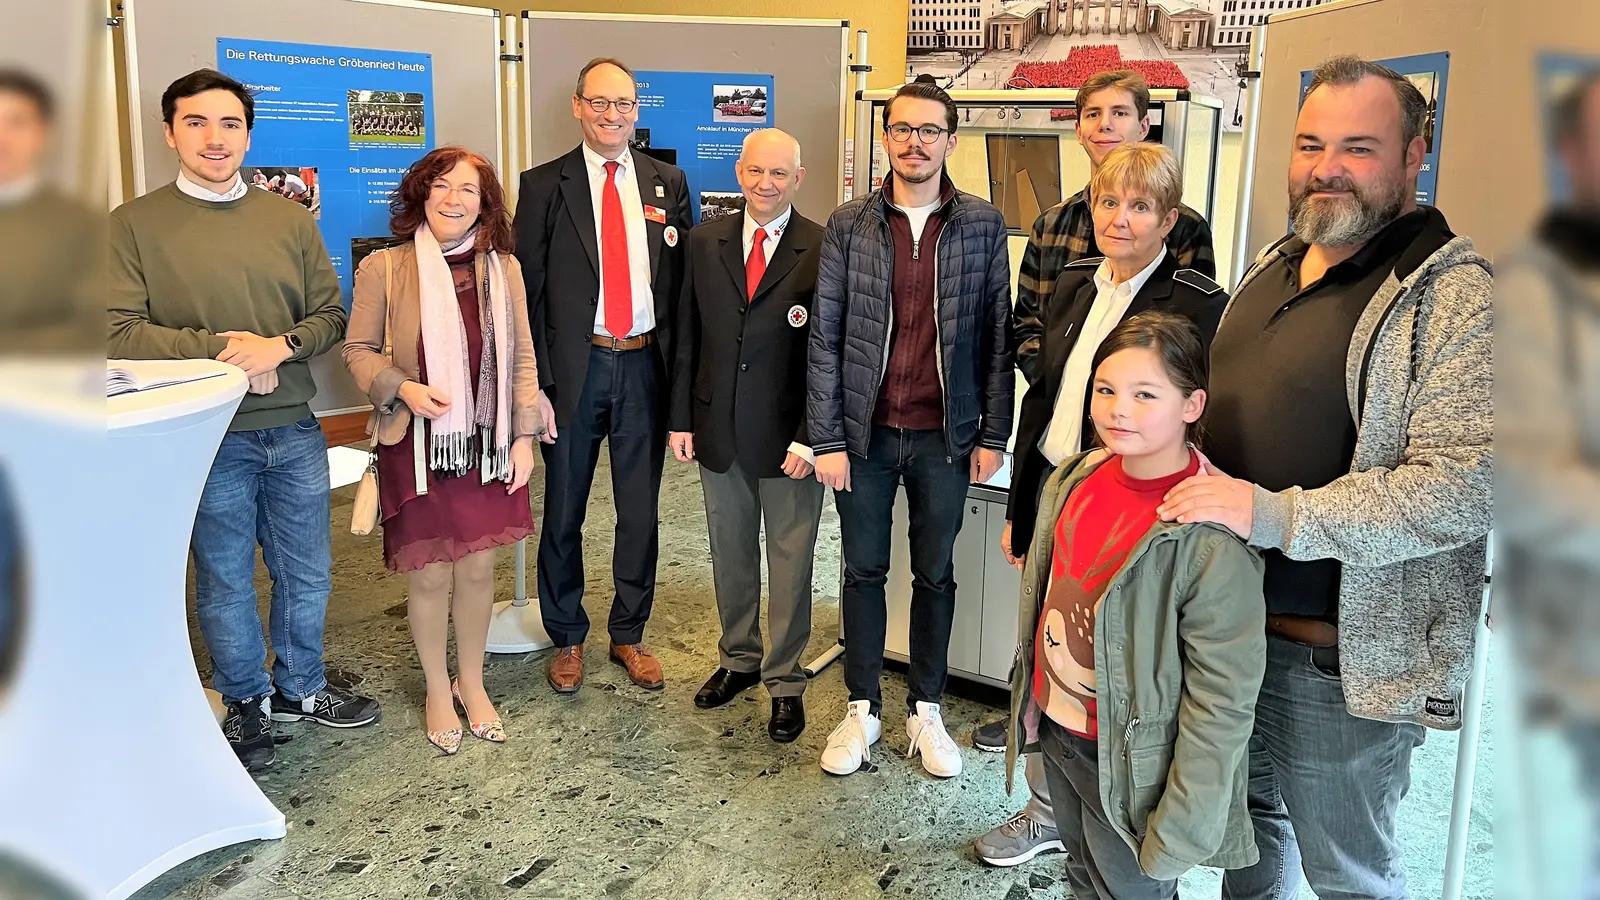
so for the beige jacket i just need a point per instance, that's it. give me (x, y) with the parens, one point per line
(380, 378)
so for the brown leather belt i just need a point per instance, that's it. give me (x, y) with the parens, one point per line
(1311, 632)
(619, 345)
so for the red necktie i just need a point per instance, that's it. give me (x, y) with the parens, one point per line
(614, 257)
(755, 265)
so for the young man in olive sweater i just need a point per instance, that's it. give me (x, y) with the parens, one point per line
(206, 268)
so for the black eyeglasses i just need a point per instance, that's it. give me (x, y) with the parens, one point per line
(601, 104)
(927, 134)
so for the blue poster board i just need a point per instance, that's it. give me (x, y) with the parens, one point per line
(703, 117)
(1430, 73)
(335, 129)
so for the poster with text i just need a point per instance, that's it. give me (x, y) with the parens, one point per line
(702, 118)
(335, 129)
(1429, 72)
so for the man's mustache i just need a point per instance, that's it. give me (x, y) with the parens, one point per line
(1332, 184)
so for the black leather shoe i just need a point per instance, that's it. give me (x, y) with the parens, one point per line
(788, 719)
(724, 685)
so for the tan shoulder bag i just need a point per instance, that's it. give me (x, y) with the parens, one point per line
(364, 514)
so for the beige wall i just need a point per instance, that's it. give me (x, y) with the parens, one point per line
(1473, 154)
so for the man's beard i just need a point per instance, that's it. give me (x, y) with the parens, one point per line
(1347, 221)
(915, 179)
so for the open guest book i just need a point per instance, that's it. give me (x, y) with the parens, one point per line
(124, 376)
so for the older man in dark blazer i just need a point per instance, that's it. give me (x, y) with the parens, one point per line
(738, 407)
(600, 236)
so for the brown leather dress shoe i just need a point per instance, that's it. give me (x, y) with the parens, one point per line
(566, 670)
(643, 667)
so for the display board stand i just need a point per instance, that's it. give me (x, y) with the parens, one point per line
(803, 59)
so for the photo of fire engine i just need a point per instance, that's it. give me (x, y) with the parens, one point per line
(743, 104)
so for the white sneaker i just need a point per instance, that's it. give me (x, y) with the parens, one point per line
(925, 729)
(851, 743)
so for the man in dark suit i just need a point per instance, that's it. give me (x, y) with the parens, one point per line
(599, 237)
(738, 405)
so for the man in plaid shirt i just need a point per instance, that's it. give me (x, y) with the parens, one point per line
(1113, 110)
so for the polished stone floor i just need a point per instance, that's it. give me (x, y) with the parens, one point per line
(619, 792)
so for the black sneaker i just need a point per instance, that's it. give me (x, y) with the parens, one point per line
(249, 731)
(990, 738)
(334, 708)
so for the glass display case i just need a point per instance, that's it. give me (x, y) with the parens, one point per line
(1020, 148)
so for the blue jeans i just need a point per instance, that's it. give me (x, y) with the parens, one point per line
(936, 492)
(268, 486)
(1324, 786)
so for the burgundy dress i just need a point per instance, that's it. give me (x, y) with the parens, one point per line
(459, 514)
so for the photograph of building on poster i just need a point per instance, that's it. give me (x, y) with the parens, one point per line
(987, 44)
(297, 183)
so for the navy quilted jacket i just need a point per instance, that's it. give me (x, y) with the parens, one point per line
(852, 319)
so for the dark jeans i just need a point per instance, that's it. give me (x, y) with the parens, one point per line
(619, 403)
(1100, 864)
(936, 491)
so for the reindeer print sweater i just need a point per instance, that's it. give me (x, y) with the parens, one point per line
(1100, 524)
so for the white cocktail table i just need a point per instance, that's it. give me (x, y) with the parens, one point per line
(112, 767)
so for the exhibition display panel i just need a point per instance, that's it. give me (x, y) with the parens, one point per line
(342, 109)
(703, 84)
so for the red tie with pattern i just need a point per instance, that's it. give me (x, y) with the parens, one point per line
(755, 265)
(614, 257)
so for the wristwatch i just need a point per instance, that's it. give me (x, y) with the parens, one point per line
(294, 342)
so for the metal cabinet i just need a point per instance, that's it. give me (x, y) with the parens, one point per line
(983, 639)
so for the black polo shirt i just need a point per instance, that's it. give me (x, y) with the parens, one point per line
(1279, 413)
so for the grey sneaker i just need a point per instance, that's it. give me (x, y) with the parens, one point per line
(991, 737)
(1017, 841)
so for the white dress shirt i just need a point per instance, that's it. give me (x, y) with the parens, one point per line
(644, 296)
(774, 233)
(1064, 436)
(188, 186)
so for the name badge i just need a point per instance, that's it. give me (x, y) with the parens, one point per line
(655, 214)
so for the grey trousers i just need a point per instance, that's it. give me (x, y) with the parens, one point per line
(1100, 864)
(736, 505)
(1038, 808)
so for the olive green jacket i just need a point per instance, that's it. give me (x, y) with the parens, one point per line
(1179, 652)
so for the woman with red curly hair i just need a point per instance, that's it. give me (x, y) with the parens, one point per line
(438, 339)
